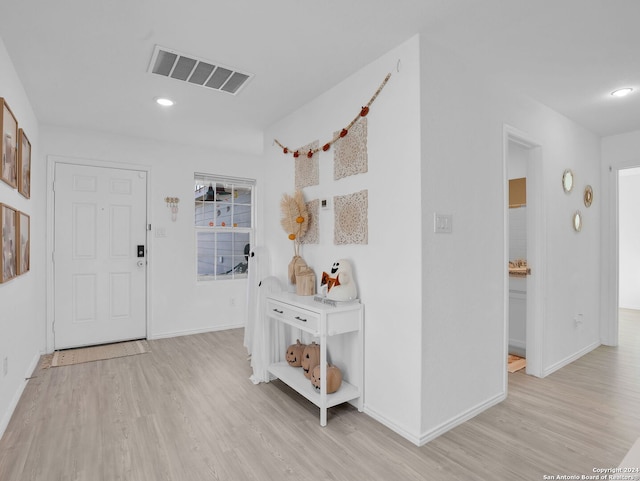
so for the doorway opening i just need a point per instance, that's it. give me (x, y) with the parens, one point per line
(524, 250)
(518, 159)
(628, 247)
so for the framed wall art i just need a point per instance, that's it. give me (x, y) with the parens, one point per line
(9, 145)
(24, 164)
(8, 235)
(24, 243)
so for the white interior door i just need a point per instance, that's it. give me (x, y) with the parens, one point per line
(99, 255)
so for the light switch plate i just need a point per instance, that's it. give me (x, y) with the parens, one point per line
(442, 223)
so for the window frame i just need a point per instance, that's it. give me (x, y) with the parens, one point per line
(204, 179)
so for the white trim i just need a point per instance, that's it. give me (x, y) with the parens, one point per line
(18, 394)
(458, 420)
(413, 437)
(52, 161)
(610, 254)
(568, 360)
(536, 251)
(167, 335)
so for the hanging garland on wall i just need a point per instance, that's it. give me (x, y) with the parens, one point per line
(342, 133)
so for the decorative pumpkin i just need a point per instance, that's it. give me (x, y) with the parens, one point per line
(334, 378)
(310, 358)
(294, 354)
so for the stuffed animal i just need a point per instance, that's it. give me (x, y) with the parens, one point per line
(341, 285)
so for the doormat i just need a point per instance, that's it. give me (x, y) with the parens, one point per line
(98, 353)
(516, 363)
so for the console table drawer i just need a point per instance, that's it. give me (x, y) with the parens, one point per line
(306, 320)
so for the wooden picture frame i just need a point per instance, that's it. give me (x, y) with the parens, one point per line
(24, 243)
(24, 164)
(8, 236)
(9, 145)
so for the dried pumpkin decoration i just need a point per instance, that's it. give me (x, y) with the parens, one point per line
(310, 359)
(334, 378)
(294, 354)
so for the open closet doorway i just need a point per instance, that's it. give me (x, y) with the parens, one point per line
(628, 249)
(524, 249)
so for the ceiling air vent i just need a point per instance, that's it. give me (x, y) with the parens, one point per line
(205, 73)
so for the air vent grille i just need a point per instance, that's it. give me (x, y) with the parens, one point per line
(208, 74)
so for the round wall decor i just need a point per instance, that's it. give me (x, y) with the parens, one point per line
(567, 180)
(588, 196)
(577, 221)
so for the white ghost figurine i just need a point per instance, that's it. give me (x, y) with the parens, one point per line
(341, 286)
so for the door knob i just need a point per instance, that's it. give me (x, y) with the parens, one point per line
(140, 263)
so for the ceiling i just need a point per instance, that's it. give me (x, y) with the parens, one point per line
(83, 63)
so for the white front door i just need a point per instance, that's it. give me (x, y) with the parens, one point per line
(99, 255)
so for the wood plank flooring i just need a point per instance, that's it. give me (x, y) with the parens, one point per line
(187, 411)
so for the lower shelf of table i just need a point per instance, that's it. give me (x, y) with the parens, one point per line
(294, 377)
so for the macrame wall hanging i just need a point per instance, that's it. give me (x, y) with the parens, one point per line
(306, 168)
(351, 224)
(350, 155)
(350, 158)
(312, 234)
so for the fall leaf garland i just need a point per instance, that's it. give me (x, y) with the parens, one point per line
(343, 133)
(295, 218)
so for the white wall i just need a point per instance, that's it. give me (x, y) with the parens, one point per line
(178, 303)
(388, 268)
(22, 309)
(629, 225)
(463, 331)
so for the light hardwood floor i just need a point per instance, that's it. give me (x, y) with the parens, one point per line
(187, 411)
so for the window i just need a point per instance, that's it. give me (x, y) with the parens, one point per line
(223, 226)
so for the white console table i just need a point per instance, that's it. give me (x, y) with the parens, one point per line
(322, 321)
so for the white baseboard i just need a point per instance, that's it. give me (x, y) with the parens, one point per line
(456, 421)
(166, 335)
(415, 439)
(568, 360)
(18, 394)
(424, 438)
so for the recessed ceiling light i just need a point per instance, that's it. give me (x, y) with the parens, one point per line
(165, 102)
(622, 92)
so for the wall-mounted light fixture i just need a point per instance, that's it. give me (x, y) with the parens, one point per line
(172, 203)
